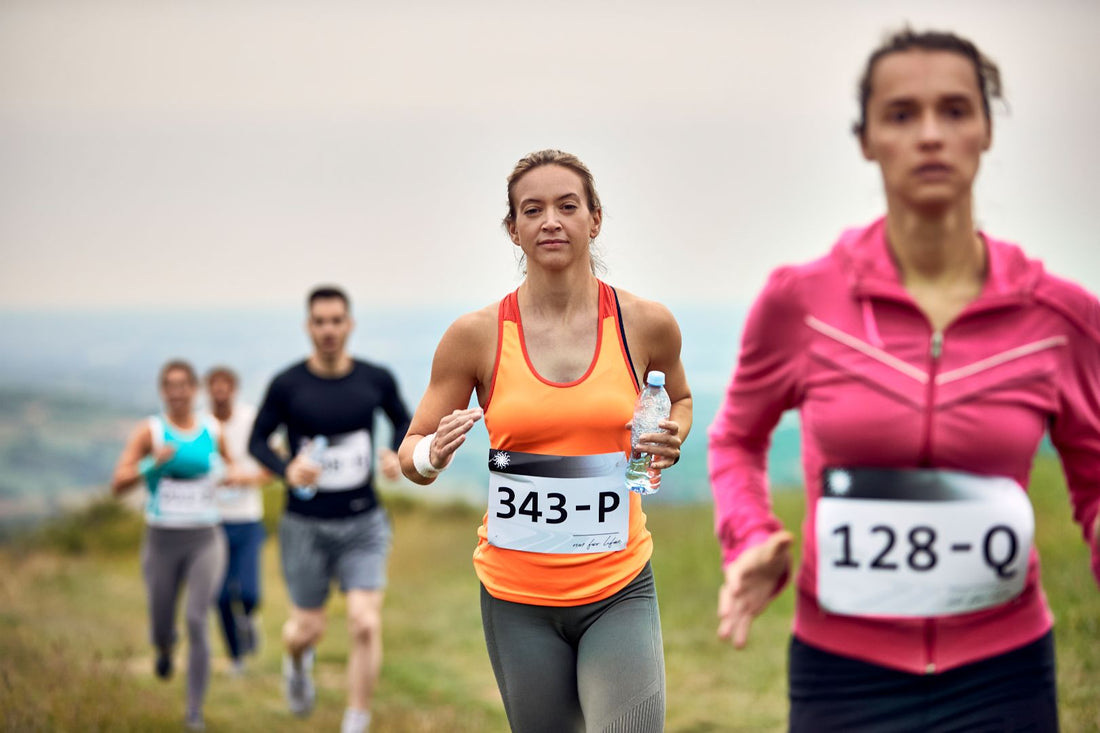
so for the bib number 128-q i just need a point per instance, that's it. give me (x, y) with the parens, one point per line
(921, 542)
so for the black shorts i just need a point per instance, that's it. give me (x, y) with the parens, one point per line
(1015, 691)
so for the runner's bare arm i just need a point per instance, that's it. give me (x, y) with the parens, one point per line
(127, 472)
(462, 364)
(230, 467)
(234, 473)
(654, 341)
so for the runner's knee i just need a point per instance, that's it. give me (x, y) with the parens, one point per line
(365, 625)
(303, 630)
(196, 623)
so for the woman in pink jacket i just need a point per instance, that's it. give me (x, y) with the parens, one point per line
(926, 359)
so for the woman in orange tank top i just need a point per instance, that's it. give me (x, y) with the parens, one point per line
(568, 600)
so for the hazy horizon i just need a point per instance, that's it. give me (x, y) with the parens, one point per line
(73, 385)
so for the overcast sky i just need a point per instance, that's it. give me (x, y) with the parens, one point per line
(235, 153)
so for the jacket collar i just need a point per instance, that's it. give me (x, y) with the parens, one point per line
(872, 272)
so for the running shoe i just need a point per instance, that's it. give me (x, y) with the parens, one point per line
(355, 721)
(298, 683)
(163, 665)
(236, 668)
(255, 634)
(194, 721)
(248, 631)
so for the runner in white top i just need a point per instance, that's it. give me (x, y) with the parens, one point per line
(241, 505)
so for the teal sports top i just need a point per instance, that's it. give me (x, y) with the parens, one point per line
(182, 489)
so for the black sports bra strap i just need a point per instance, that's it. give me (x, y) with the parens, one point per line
(622, 335)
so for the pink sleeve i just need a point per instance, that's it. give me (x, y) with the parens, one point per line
(764, 385)
(1075, 431)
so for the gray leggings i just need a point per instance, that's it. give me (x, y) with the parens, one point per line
(171, 557)
(596, 667)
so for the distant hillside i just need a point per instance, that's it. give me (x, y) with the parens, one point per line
(54, 447)
(72, 385)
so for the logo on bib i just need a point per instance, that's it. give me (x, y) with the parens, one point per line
(840, 481)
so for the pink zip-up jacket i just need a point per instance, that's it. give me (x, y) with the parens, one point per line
(841, 340)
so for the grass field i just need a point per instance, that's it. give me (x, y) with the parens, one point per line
(74, 655)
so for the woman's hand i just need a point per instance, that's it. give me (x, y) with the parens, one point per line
(389, 464)
(750, 585)
(664, 447)
(451, 433)
(164, 454)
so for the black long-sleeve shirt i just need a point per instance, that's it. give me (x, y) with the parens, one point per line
(342, 409)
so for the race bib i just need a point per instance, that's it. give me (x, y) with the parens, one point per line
(239, 503)
(186, 501)
(919, 543)
(557, 504)
(229, 496)
(345, 464)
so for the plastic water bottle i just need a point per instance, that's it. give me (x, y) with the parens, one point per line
(652, 407)
(316, 452)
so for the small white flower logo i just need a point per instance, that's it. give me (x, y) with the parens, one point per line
(501, 460)
(840, 482)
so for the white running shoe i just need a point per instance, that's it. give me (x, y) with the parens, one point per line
(355, 721)
(298, 683)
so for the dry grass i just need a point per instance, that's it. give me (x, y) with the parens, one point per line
(74, 654)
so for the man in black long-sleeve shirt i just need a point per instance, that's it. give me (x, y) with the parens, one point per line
(334, 526)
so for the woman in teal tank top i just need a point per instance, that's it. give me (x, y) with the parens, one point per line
(180, 458)
(182, 487)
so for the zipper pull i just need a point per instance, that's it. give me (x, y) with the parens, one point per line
(937, 344)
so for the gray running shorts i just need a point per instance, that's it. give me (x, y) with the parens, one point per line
(314, 552)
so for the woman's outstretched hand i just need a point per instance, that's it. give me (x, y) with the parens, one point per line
(750, 584)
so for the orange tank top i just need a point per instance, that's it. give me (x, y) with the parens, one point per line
(527, 413)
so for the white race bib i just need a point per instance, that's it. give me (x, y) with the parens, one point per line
(558, 504)
(921, 542)
(239, 503)
(186, 501)
(345, 463)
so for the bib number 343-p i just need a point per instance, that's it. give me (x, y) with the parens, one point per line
(919, 543)
(557, 504)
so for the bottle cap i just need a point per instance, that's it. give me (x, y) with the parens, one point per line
(655, 379)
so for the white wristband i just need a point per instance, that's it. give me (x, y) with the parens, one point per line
(422, 457)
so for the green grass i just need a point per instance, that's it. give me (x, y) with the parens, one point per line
(74, 654)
